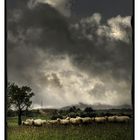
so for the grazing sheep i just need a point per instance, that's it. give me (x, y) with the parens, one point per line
(44, 122)
(76, 120)
(28, 122)
(25, 123)
(64, 121)
(68, 118)
(87, 120)
(111, 119)
(72, 120)
(122, 118)
(54, 122)
(79, 120)
(37, 122)
(92, 119)
(100, 119)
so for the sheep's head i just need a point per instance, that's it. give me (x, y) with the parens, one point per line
(106, 117)
(22, 122)
(78, 117)
(68, 118)
(58, 119)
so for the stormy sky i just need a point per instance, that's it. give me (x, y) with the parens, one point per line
(71, 51)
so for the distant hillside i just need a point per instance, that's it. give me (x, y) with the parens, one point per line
(82, 106)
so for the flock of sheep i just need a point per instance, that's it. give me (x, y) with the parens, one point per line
(75, 121)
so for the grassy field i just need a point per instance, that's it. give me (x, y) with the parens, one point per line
(107, 131)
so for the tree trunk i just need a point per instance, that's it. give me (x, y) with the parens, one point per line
(26, 112)
(19, 117)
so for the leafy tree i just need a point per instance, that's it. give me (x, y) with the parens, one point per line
(72, 114)
(89, 112)
(88, 109)
(19, 98)
(72, 109)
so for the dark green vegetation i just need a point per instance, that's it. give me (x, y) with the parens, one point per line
(72, 112)
(107, 131)
(19, 98)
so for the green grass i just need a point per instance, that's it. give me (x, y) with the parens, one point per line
(107, 131)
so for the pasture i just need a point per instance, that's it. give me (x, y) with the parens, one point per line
(105, 131)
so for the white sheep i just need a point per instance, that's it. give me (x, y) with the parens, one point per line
(44, 122)
(122, 118)
(64, 121)
(100, 119)
(111, 119)
(79, 120)
(72, 120)
(68, 118)
(25, 123)
(76, 120)
(37, 122)
(92, 119)
(87, 120)
(28, 122)
(54, 122)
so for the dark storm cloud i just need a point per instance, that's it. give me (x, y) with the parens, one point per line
(41, 17)
(44, 46)
(105, 53)
(39, 28)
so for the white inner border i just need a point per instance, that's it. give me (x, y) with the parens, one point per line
(137, 69)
